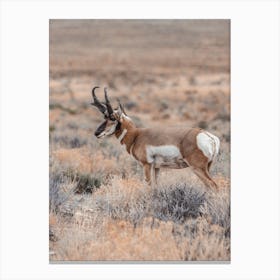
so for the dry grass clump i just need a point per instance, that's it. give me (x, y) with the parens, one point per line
(177, 202)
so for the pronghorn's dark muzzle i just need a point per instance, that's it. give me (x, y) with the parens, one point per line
(100, 129)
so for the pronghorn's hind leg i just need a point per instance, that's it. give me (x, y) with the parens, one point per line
(156, 175)
(200, 166)
(205, 177)
(209, 165)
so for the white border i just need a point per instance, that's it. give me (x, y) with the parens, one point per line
(255, 137)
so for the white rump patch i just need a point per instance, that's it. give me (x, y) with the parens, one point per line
(166, 151)
(209, 144)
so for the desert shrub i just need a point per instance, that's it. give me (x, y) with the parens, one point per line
(76, 142)
(110, 150)
(130, 200)
(130, 105)
(227, 137)
(58, 195)
(51, 128)
(167, 203)
(63, 185)
(70, 142)
(217, 210)
(202, 124)
(86, 183)
(120, 205)
(177, 202)
(83, 182)
(131, 211)
(221, 164)
(204, 241)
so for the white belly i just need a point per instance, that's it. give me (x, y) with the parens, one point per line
(165, 156)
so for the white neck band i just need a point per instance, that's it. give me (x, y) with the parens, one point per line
(120, 138)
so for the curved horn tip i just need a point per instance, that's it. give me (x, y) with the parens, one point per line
(94, 89)
(108, 104)
(106, 96)
(121, 106)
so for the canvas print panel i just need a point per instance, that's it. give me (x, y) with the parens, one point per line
(139, 134)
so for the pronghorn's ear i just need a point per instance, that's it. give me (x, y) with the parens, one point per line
(121, 107)
(118, 113)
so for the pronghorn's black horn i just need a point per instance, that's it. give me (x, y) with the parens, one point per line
(121, 106)
(108, 104)
(97, 103)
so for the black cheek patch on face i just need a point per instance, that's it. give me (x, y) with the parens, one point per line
(101, 128)
(118, 126)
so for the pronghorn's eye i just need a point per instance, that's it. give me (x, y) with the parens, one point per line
(109, 117)
(112, 118)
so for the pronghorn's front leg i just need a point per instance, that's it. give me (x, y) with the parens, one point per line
(150, 173)
(156, 175)
(147, 173)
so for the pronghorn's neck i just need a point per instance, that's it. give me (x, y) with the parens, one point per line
(127, 134)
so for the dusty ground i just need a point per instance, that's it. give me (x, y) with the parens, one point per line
(165, 73)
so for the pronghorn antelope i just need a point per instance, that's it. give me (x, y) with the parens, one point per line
(171, 147)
